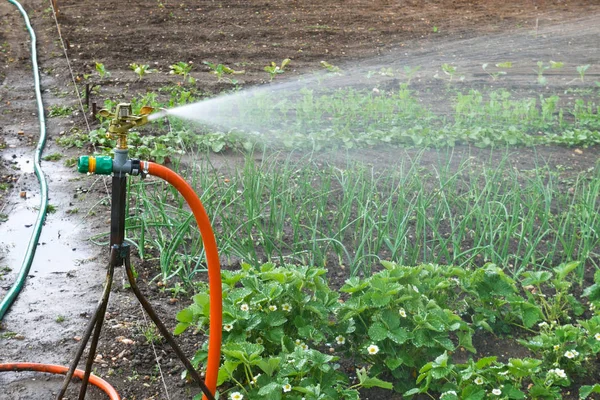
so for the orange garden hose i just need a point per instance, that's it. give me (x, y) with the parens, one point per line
(59, 369)
(213, 265)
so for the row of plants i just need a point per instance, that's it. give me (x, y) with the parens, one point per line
(303, 210)
(348, 118)
(287, 335)
(450, 71)
(183, 70)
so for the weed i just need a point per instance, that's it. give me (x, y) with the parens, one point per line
(151, 334)
(71, 162)
(60, 111)
(53, 157)
(60, 319)
(51, 209)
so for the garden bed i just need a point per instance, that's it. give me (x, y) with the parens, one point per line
(369, 196)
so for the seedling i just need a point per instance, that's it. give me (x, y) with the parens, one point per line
(581, 71)
(102, 71)
(541, 79)
(493, 75)
(506, 64)
(449, 70)
(141, 70)
(334, 69)
(410, 72)
(383, 72)
(220, 69)
(275, 69)
(183, 69)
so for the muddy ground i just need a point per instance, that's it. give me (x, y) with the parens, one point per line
(67, 275)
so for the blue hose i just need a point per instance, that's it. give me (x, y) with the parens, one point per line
(37, 229)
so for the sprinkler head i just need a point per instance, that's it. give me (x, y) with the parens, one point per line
(122, 120)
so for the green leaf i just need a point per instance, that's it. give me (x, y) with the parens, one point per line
(186, 315)
(368, 382)
(512, 392)
(465, 339)
(270, 365)
(393, 362)
(271, 391)
(586, 390)
(226, 371)
(412, 392)
(243, 351)
(398, 335)
(535, 278)
(565, 269)
(485, 362)
(378, 331)
(276, 318)
(180, 328)
(473, 392)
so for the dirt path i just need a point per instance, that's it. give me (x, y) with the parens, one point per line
(66, 277)
(67, 272)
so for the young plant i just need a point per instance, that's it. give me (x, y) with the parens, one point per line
(410, 72)
(561, 304)
(334, 69)
(102, 71)
(275, 69)
(183, 69)
(389, 72)
(541, 68)
(450, 71)
(220, 69)
(581, 69)
(494, 75)
(141, 70)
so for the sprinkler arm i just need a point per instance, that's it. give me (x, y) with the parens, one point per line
(123, 120)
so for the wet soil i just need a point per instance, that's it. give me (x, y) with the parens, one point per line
(67, 275)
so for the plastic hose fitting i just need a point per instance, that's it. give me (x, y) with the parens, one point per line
(102, 165)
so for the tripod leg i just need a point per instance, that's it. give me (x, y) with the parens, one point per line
(114, 259)
(164, 331)
(88, 332)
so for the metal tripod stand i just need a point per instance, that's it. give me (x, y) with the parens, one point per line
(120, 256)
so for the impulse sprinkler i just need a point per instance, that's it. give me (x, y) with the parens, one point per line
(122, 120)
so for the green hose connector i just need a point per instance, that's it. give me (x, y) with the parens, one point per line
(102, 165)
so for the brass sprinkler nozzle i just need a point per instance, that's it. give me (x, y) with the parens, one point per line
(123, 120)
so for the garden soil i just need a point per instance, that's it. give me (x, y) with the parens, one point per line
(65, 281)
